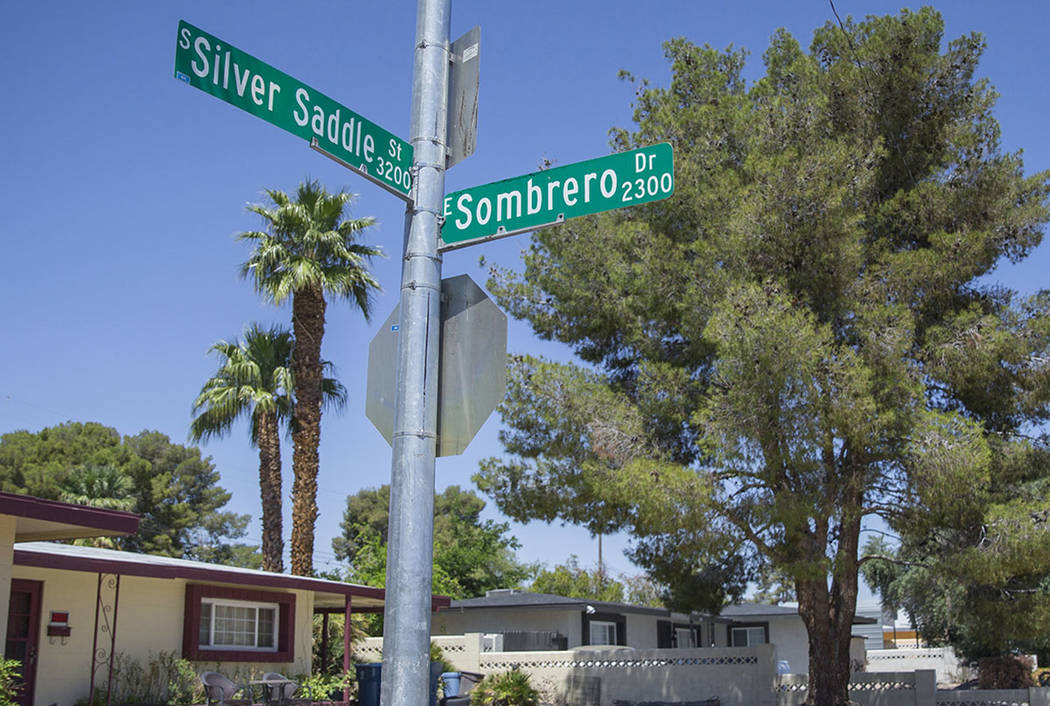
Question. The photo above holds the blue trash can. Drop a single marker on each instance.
(451, 680)
(369, 679)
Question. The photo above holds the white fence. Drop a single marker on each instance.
(915, 688)
(736, 676)
(604, 676)
(999, 697)
(941, 660)
(869, 689)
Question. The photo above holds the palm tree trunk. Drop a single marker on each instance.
(308, 309)
(270, 489)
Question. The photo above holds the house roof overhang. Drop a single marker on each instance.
(751, 611)
(329, 596)
(527, 601)
(37, 519)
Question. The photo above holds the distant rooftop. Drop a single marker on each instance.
(763, 610)
(526, 600)
(515, 598)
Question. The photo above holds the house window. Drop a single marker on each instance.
(684, 637)
(602, 632)
(604, 629)
(749, 635)
(235, 625)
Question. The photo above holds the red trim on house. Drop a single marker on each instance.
(110, 521)
(191, 625)
(436, 603)
(204, 572)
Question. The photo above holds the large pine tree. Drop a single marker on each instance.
(806, 334)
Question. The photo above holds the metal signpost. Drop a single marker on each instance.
(406, 614)
(216, 67)
(474, 329)
(548, 197)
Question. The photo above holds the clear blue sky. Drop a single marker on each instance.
(125, 188)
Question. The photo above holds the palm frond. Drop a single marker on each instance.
(254, 377)
(309, 243)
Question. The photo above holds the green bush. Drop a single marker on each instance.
(164, 679)
(512, 688)
(9, 672)
(321, 687)
(436, 655)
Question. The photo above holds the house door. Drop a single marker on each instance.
(23, 632)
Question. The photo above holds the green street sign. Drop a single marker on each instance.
(548, 197)
(218, 68)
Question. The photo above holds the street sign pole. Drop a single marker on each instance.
(406, 630)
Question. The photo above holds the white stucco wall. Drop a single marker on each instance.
(641, 631)
(787, 634)
(947, 666)
(149, 620)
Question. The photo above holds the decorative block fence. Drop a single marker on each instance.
(736, 676)
(942, 660)
(916, 688)
(600, 676)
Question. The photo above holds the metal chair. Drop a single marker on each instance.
(219, 690)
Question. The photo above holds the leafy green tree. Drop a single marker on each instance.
(172, 487)
(471, 555)
(367, 515)
(642, 590)
(806, 334)
(981, 584)
(307, 251)
(39, 463)
(177, 492)
(773, 586)
(573, 581)
(254, 379)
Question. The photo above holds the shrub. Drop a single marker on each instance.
(512, 688)
(9, 669)
(165, 679)
(323, 687)
(436, 655)
(1010, 671)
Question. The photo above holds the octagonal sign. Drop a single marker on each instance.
(472, 372)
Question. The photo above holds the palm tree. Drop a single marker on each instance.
(254, 378)
(309, 250)
(103, 486)
(98, 486)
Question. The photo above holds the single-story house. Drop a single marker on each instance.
(74, 609)
(781, 626)
(522, 621)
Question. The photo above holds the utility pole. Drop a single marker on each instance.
(406, 631)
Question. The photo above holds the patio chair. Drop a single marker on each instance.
(285, 691)
(219, 690)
